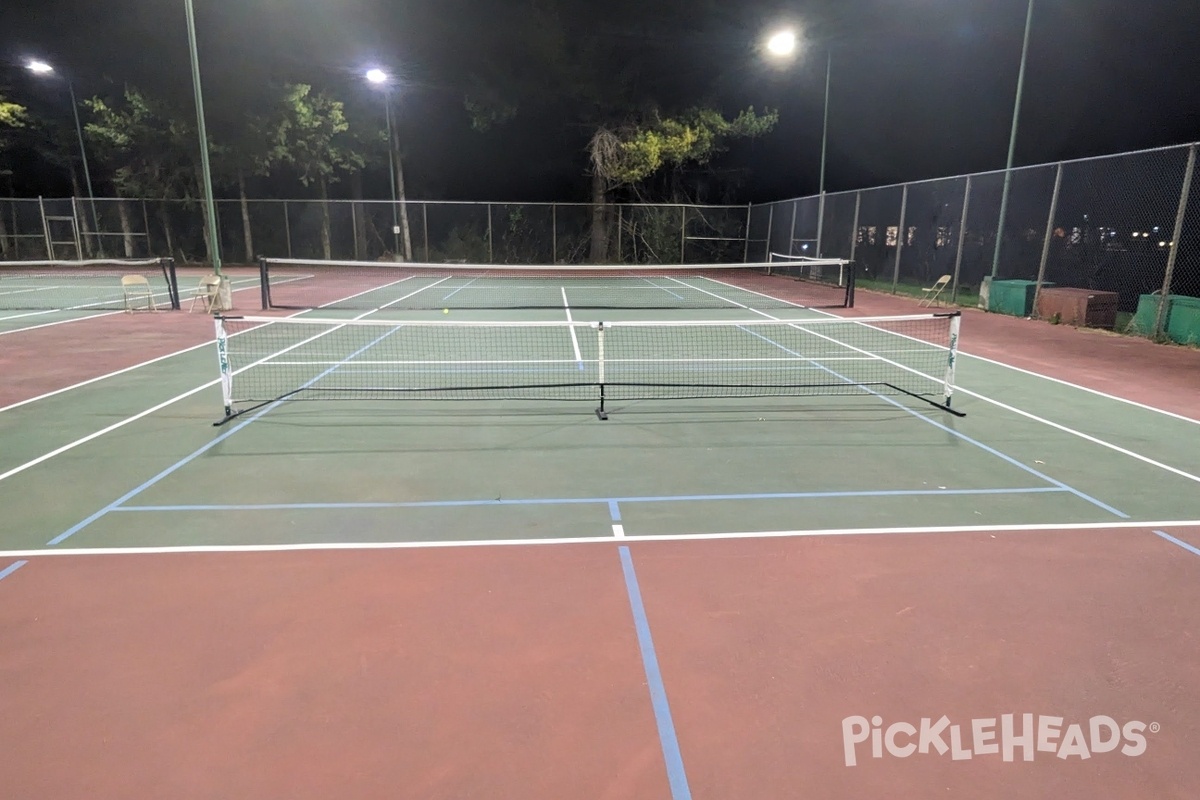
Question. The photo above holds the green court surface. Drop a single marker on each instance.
(429, 468)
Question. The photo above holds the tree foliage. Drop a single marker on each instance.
(633, 152)
(314, 135)
(148, 146)
(12, 115)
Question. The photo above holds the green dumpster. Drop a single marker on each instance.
(1014, 297)
(1182, 317)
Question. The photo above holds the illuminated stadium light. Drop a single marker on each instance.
(782, 43)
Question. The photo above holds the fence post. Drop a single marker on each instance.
(900, 238)
(1160, 317)
(554, 233)
(820, 223)
(46, 229)
(146, 222)
(354, 227)
(490, 257)
(854, 227)
(770, 225)
(683, 234)
(1041, 276)
(791, 248)
(620, 231)
(287, 229)
(425, 227)
(962, 238)
(746, 249)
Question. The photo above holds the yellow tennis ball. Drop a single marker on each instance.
(445, 311)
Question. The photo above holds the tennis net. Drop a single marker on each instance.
(365, 285)
(94, 285)
(267, 359)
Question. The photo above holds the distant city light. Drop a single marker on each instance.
(1162, 244)
(377, 76)
(782, 43)
(39, 67)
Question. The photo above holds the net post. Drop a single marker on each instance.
(223, 361)
(952, 357)
(264, 283)
(600, 412)
(172, 278)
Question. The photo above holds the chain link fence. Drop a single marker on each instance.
(428, 231)
(1124, 228)
(1121, 231)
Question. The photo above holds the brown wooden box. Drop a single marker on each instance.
(1081, 307)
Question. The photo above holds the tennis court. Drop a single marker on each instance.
(413, 561)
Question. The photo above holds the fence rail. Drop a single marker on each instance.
(1127, 224)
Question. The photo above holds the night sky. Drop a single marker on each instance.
(921, 88)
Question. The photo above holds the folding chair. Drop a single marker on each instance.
(134, 288)
(933, 292)
(207, 292)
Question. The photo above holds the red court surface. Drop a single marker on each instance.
(1164, 376)
(469, 673)
(515, 672)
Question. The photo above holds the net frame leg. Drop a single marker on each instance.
(226, 371)
(601, 413)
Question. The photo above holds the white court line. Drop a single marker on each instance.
(96, 315)
(81, 319)
(1086, 437)
(618, 531)
(574, 338)
(141, 364)
(116, 425)
(607, 540)
(1096, 392)
(961, 352)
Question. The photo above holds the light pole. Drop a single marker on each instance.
(381, 79)
(42, 68)
(1012, 141)
(783, 45)
(210, 207)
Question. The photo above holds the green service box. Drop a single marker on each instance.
(1183, 317)
(1014, 298)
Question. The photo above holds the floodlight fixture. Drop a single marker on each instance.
(782, 43)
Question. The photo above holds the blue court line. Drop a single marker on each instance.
(1190, 548)
(459, 289)
(951, 431)
(11, 568)
(673, 758)
(614, 510)
(665, 289)
(74, 529)
(611, 501)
